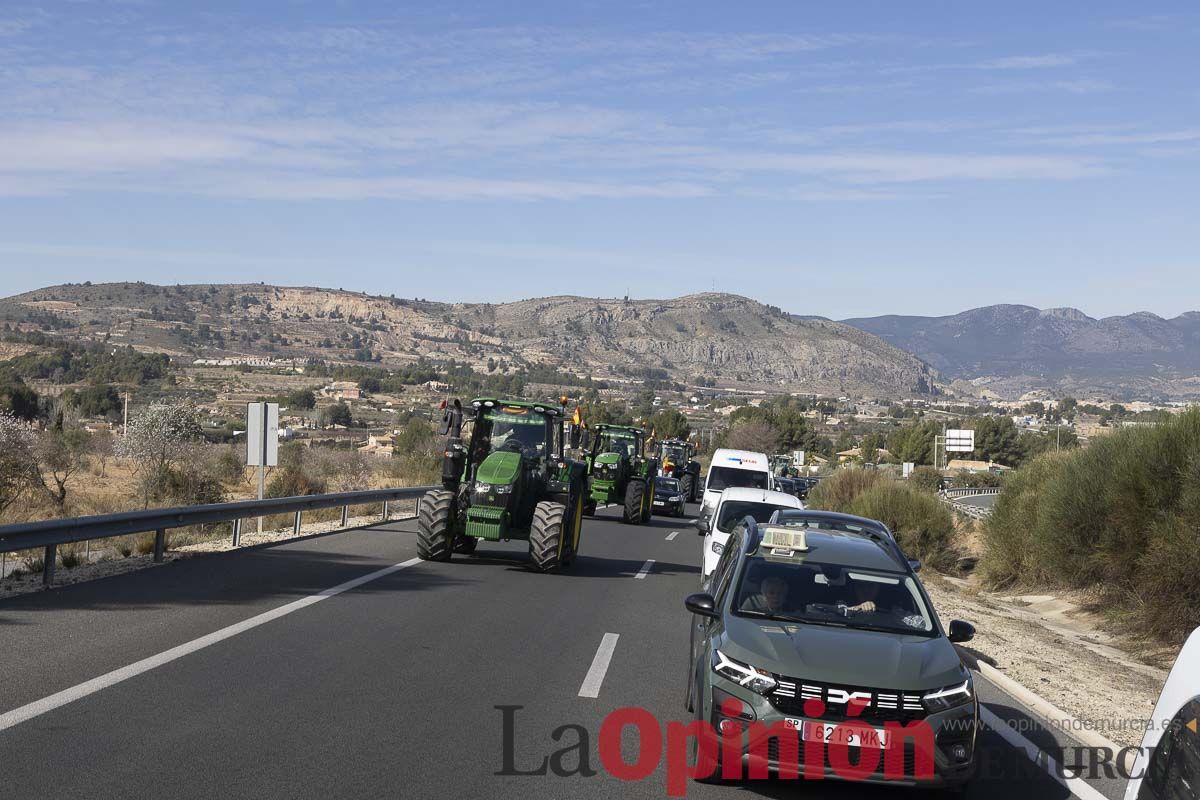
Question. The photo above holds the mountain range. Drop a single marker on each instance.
(1013, 348)
(712, 337)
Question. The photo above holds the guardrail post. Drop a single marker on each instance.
(160, 544)
(385, 510)
(345, 515)
(297, 523)
(237, 532)
(48, 564)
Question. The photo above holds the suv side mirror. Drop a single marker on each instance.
(961, 631)
(702, 525)
(701, 603)
(914, 564)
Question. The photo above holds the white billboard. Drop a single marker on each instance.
(960, 441)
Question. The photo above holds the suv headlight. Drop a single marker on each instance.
(753, 678)
(949, 697)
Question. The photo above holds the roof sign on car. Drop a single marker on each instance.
(781, 541)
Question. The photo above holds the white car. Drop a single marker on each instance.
(734, 468)
(1167, 766)
(735, 504)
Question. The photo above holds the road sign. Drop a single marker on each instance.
(960, 441)
(908, 468)
(262, 434)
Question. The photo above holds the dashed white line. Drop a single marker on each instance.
(595, 674)
(78, 692)
(645, 570)
(672, 535)
(1076, 786)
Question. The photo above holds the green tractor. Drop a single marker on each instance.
(619, 472)
(677, 458)
(510, 479)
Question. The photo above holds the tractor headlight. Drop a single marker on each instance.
(753, 678)
(949, 697)
(503, 488)
(480, 486)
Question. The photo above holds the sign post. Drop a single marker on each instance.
(262, 443)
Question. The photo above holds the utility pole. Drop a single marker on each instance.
(125, 425)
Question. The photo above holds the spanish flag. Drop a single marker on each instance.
(577, 417)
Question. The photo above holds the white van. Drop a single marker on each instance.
(1167, 766)
(734, 468)
(735, 504)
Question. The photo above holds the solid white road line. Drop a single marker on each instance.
(595, 674)
(59, 699)
(645, 570)
(1077, 786)
(672, 535)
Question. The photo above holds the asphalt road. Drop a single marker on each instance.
(979, 500)
(385, 689)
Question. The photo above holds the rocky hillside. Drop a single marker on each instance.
(1020, 348)
(730, 339)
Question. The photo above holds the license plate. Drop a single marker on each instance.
(843, 735)
(659, 503)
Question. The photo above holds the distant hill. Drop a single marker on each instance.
(1014, 348)
(724, 337)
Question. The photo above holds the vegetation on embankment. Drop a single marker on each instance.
(923, 525)
(1120, 517)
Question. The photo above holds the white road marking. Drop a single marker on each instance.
(1077, 786)
(595, 674)
(78, 692)
(672, 535)
(645, 570)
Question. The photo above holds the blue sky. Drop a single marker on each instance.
(840, 159)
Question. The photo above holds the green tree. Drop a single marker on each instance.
(670, 424)
(337, 414)
(997, 439)
(301, 399)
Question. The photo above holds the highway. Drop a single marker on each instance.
(979, 500)
(242, 675)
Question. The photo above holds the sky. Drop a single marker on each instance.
(839, 159)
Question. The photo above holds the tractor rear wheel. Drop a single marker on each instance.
(687, 486)
(635, 503)
(435, 525)
(546, 534)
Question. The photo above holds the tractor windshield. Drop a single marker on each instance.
(623, 443)
(675, 454)
(512, 428)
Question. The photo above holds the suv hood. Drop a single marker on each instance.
(843, 656)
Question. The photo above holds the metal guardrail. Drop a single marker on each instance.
(52, 533)
(966, 491)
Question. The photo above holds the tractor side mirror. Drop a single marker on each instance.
(444, 428)
(575, 437)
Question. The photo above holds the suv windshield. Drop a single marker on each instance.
(667, 484)
(734, 511)
(515, 429)
(831, 594)
(721, 478)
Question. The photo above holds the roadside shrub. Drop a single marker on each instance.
(295, 475)
(838, 492)
(927, 479)
(190, 485)
(70, 557)
(923, 525)
(1120, 517)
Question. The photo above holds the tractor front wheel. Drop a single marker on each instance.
(546, 534)
(435, 525)
(635, 503)
(687, 486)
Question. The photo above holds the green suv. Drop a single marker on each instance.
(814, 638)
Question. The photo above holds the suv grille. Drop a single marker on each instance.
(883, 705)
